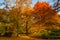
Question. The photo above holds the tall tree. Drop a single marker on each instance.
(19, 10)
(44, 13)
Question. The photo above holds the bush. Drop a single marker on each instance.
(49, 34)
(5, 29)
(53, 34)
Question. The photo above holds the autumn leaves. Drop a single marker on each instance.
(24, 17)
(42, 6)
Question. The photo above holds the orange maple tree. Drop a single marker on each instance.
(41, 6)
(44, 12)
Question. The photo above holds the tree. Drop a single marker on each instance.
(6, 25)
(27, 12)
(56, 5)
(18, 11)
(44, 13)
(19, 14)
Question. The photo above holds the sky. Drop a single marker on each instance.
(49, 1)
(1, 1)
(34, 1)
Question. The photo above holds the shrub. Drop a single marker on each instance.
(5, 29)
(49, 34)
(54, 33)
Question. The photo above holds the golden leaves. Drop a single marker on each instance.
(27, 10)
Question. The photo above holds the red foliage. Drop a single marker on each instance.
(42, 6)
(43, 9)
(44, 12)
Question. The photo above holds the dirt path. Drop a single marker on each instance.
(23, 38)
(18, 38)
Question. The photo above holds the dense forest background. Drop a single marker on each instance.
(22, 19)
